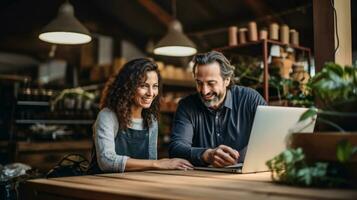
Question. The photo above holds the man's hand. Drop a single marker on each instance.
(221, 156)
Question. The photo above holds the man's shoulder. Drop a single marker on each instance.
(242, 90)
(243, 94)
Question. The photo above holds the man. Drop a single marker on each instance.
(212, 127)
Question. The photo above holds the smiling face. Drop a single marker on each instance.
(147, 90)
(210, 84)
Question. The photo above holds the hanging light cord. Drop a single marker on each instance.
(336, 28)
(173, 2)
(52, 52)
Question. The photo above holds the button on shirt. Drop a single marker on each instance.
(197, 128)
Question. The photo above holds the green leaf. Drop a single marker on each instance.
(344, 151)
(334, 83)
(320, 169)
(304, 175)
(289, 167)
(311, 112)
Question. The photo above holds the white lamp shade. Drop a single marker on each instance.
(65, 38)
(65, 28)
(175, 43)
(175, 51)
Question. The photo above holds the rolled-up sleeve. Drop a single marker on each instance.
(105, 129)
(181, 138)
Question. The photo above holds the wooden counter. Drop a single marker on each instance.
(191, 184)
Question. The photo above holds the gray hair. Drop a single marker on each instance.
(227, 70)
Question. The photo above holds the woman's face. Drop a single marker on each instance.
(147, 90)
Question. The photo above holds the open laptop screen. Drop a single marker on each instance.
(271, 128)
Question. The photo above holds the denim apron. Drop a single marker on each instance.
(133, 143)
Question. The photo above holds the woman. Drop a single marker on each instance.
(125, 132)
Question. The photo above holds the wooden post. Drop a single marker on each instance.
(324, 41)
(266, 73)
(324, 32)
(343, 55)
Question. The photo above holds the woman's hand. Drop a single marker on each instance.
(174, 163)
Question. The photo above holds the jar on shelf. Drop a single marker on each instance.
(179, 73)
(294, 37)
(24, 94)
(160, 65)
(243, 35)
(170, 71)
(49, 95)
(252, 31)
(263, 34)
(35, 95)
(42, 95)
(284, 34)
(232, 35)
(274, 31)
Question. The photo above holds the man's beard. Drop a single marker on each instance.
(212, 102)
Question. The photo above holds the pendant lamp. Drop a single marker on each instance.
(175, 42)
(65, 28)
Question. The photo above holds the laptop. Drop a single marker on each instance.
(271, 127)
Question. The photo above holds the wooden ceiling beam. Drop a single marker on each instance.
(207, 9)
(261, 10)
(157, 11)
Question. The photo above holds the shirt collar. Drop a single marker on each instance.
(228, 101)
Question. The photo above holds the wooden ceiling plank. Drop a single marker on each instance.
(157, 11)
(261, 10)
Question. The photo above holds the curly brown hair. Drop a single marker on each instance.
(120, 89)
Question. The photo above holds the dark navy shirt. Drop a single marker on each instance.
(197, 128)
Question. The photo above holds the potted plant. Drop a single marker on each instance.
(70, 96)
(335, 88)
(291, 167)
(334, 142)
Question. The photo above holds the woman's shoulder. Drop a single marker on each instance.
(155, 123)
(106, 114)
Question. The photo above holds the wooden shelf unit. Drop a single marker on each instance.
(260, 47)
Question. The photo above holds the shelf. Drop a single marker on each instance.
(176, 82)
(33, 103)
(260, 49)
(54, 146)
(288, 45)
(34, 121)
